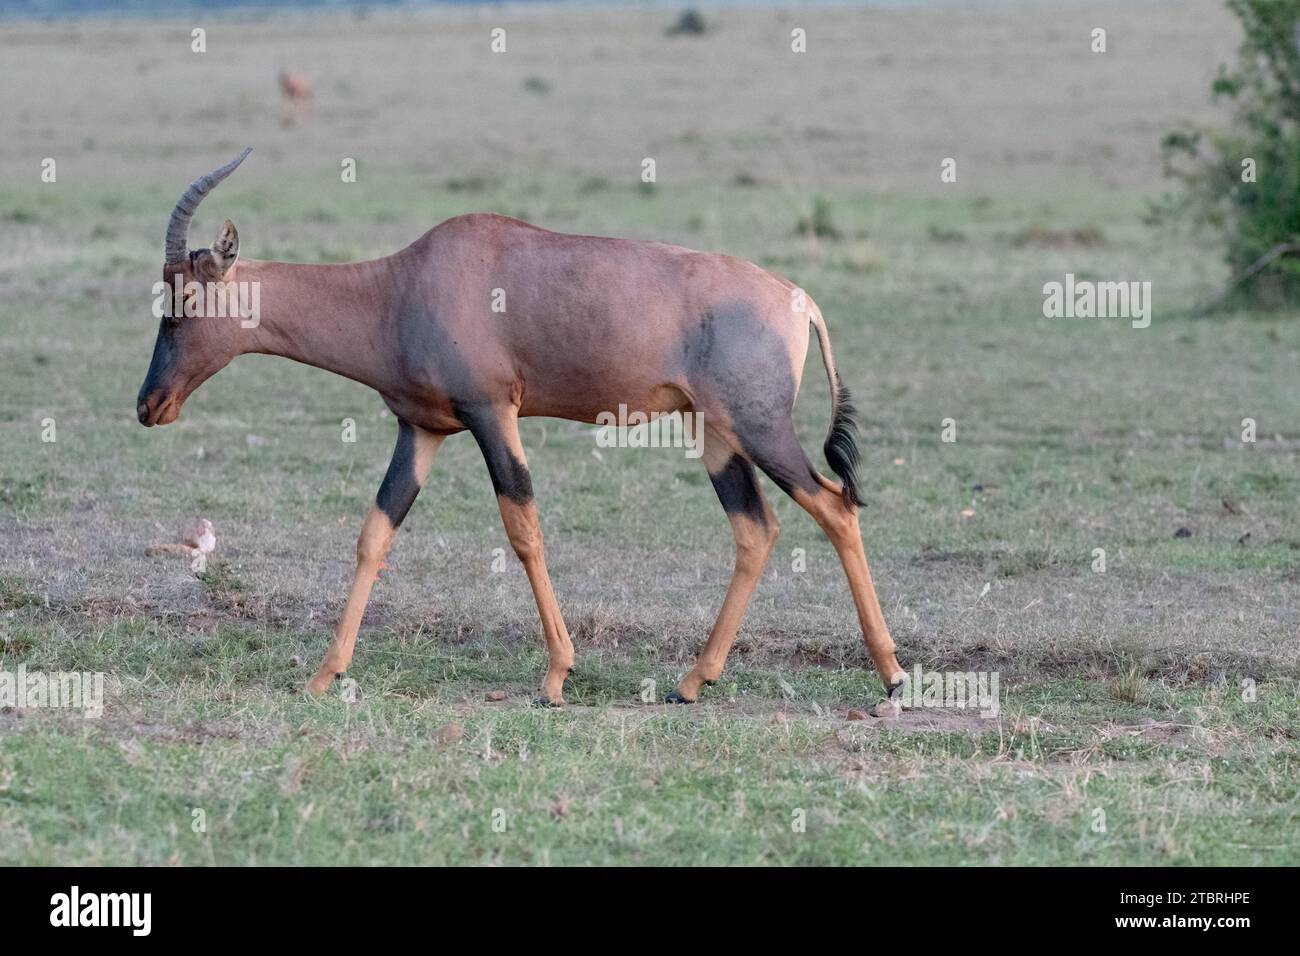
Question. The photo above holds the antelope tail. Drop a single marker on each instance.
(841, 448)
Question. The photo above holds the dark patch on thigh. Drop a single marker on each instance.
(737, 361)
(782, 459)
(510, 478)
(738, 490)
(399, 489)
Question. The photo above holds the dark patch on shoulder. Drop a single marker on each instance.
(737, 489)
(510, 477)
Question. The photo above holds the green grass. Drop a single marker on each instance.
(1190, 776)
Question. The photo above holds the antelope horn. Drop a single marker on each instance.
(176, 246)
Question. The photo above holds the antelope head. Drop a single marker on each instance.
(190, 348)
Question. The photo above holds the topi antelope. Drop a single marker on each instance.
(590, 324)
(295, 86)
(297, 90)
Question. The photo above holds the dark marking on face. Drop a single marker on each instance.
(510, 478)
(399, 489)
(166, 350)
(738, 491)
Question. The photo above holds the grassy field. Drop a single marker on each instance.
(1128, 732)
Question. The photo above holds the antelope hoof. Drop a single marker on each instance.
(317, 686)
(675, 697)
(547, 702)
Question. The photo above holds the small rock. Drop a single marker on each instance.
(887, 709)
(449, 733)
(1183, 533)
(295, 661)
(779, 717)
(858, 715)
(495, 695)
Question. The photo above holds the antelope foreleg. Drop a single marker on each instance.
(496, 429)
(406, 474)
(524, 530)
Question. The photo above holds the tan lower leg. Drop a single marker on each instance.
(525, 533)
(841, 527)
(373, 544)
(754, 543)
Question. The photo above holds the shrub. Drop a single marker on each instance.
(690, 23)
(1260, 219)
(819, 223)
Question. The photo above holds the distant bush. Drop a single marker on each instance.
(819, 224)
(469, 184)
(1245, 181)
(691, 22)
(940, 234)
(1085, 236)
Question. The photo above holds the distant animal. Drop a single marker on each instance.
(297, 90)
(589, 324)
(200, 538)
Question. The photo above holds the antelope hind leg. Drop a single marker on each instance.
(755, 528)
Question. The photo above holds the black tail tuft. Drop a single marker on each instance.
(841, 448)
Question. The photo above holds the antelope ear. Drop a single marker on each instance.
(218, 260)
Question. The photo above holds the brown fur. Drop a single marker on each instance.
(589, 323)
